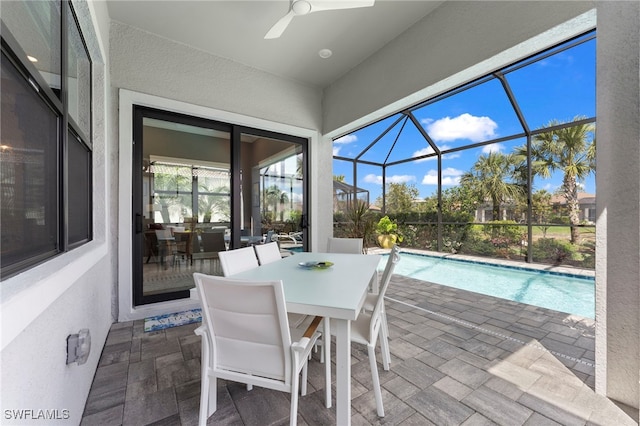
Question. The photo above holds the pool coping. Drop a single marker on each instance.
(512, 264)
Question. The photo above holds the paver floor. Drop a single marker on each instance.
(458, 358)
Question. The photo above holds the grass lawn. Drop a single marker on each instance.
(563, 232)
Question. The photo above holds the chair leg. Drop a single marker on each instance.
(303, 384)
(293, 419)
(384, 342)
(375, 379)
(208, 387)
(326, 354)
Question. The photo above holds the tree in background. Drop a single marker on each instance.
(400, 198)
(460, 202)
(214, 205)
(493, 177)
(275, 197)
(541, 209)
(570, 150)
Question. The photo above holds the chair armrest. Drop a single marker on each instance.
(312, 327)
(309, 333)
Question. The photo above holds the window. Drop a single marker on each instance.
(45, 146)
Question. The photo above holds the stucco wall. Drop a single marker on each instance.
(42, 306)
(618, 203)
(146, 63)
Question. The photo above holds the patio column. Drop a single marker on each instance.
(618, 199)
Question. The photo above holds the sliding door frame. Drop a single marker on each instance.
(235, 131)
(124, 308)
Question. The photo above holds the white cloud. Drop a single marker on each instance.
(401, 179)
(493, 148)
(450, 171)
(428, 150)
(450, 177)
(346, 139)
(451, 156)
(336, 150)
(423, 151)
(371, 178)
(464, 126)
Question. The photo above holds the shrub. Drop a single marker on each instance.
(550, 250)
(506, 232)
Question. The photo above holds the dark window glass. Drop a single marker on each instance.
(79, 191)
(78, 77)
(29, 173)
(36, 27)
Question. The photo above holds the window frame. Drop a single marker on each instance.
(67, 128)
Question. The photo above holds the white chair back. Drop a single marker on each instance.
(238, 260)
(267, 253)
(378, 310)
(344, 245)
(248, 326)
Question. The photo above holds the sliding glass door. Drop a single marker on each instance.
(272, 202)
(202, 186)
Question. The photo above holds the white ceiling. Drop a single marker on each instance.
(235, 30)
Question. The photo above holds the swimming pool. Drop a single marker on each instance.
(561, 292)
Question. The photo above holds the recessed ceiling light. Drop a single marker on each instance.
(325, 53)
(31, 58)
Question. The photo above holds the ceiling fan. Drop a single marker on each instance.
(305, 7)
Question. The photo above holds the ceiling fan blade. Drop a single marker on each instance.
(320, 5)
(279, 27)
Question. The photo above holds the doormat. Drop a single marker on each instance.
(176, 319)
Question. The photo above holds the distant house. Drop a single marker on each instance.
(511, 211)
(586, 201)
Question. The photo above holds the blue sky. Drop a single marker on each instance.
(558, 87)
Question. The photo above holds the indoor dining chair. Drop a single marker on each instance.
(210, 246)
(238, 260)
(166, 245)
(344, 245)
(368, 327)
(246, 338)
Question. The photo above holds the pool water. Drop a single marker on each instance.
(561, 292)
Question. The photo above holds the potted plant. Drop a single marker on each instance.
(387, 231)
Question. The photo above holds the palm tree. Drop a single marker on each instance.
(271, 198)
(283, 199)
(490, 178)
(567, 149)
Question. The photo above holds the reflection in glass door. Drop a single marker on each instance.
(201, 187)
(183, 196)
(272, 202)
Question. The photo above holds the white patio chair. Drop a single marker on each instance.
(238, 260)
(268, 252)
(246, 338)
(371, 299)
(344, 245)
(368, 327)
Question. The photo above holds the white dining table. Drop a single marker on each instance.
(337, 292)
